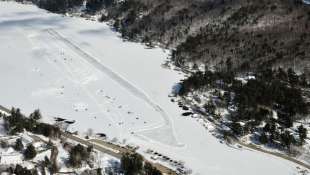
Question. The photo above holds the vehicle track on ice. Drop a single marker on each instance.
(116, 77)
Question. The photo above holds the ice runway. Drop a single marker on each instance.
(81, 70)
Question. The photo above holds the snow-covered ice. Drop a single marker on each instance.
(81, 70)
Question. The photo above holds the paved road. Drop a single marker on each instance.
(101, 148)
(256, 148)
(283, 156)
(108, 148)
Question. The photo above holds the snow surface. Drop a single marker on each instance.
(81, 70)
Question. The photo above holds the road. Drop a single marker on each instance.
(283, 156)
(115, 151)
(102, 146)
(257, 148)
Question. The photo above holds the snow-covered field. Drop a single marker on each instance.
(81, 70)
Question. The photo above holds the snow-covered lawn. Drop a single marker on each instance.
(81, 70)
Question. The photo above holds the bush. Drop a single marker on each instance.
(30, 152)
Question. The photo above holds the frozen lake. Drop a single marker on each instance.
(81, 70)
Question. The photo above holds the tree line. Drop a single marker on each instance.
(16, 122)
(275, 98)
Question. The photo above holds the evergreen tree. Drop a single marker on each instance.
(131, 164)
(302, 134)
(237, 128)
(19, 145)
(19, 170)
(36, 115)
(292, 77)
(53, 5)
(73, 3)
(263, 138)
(267, 127)
(150, 170)
(93, 5)
(78, 154)
(287, 139)
(99, 171)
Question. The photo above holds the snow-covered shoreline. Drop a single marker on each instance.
(43, 72)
